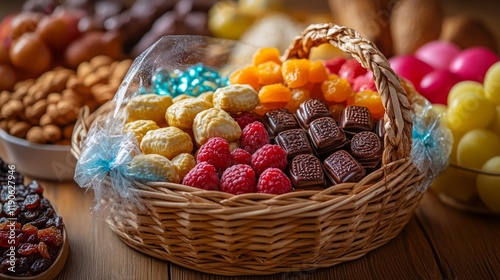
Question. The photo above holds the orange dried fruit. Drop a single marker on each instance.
(296, 72)
(263, 108)
(369, 99)
(266, 54)
(248, 75)
(336, 89)
(336, 109)
(299, 95)
(317, 72)
(274, 93)
(269, 72)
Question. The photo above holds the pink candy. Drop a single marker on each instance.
(473, 63)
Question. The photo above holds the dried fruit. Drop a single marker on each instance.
(275, 93)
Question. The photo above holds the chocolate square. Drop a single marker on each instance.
(367, 148)
(326, 136)
(310, 110)
(341, 167)
(355, 119)
(306, 171)
(294, 142)
(279, 120)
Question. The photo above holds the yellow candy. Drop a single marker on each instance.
(148, 107)
(140, 127)
(215, 122)
(154, 167)
(184, 163)
(181, 114)
(168, 142)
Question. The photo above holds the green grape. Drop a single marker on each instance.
(492, 84)
(465, 86)
(456, 184)
(476, 147)
(488, 187)
(495, 124)
(469, 111)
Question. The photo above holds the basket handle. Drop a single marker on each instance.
(398, 122)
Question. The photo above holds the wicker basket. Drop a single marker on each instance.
(257, 234)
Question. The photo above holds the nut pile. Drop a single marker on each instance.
(44, 110)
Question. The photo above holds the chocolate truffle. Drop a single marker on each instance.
(294, 142)
(310, 110)
(326, 136)
(306, 171)
(341, 167)
(367, 148)
(279, 120)
(355, 119)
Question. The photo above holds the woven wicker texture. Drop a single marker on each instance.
(257, 234)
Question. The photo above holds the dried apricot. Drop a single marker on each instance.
(266, 54)
(369, 99)
(296, 72)
(336, 89)
(299, 95)
(269, 73)
(317, 72)
(274, 93)
(263, 108)
(248, 75)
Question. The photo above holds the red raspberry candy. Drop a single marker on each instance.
(245, 118)
(202, 176)
(238, 179)
(253, 137)
(351, 69)
(333, 65)
(274, 181)
(362, 83)
(216, 152)
(269, 156)
(241, 156)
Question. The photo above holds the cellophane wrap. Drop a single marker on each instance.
(107, 151)
(432, 141)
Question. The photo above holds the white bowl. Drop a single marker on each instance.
(38, 161)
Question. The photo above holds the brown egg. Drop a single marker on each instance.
(31, 54)
(7, 77)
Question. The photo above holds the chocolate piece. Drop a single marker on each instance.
(310, 110)
(326, 136)
(341, 167)
(279, 120)
(294, 142)
(355, 119)
(306, 171)
(367, 148)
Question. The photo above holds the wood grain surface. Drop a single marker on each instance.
(439, 242)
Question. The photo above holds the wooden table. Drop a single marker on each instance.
(438, 243)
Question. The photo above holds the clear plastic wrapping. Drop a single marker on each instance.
(432, 141)
(193, 64)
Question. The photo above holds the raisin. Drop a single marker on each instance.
(22, 237)
(55, 222)
(4, 194)
(31, 214)
(44, 252)
(31, 201)
(4, 239)
(40, 222)
(30, 229)
(32, 239)
(51, 236)
(27, 249)
(23, 265)
(34, 187)
(11, 209)
(40, 265)
(44, 203)
(6, 264)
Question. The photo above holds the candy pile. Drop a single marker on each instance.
(473, 115)
(339, 82)
(38, 236)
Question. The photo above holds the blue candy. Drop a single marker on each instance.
(196, 80)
